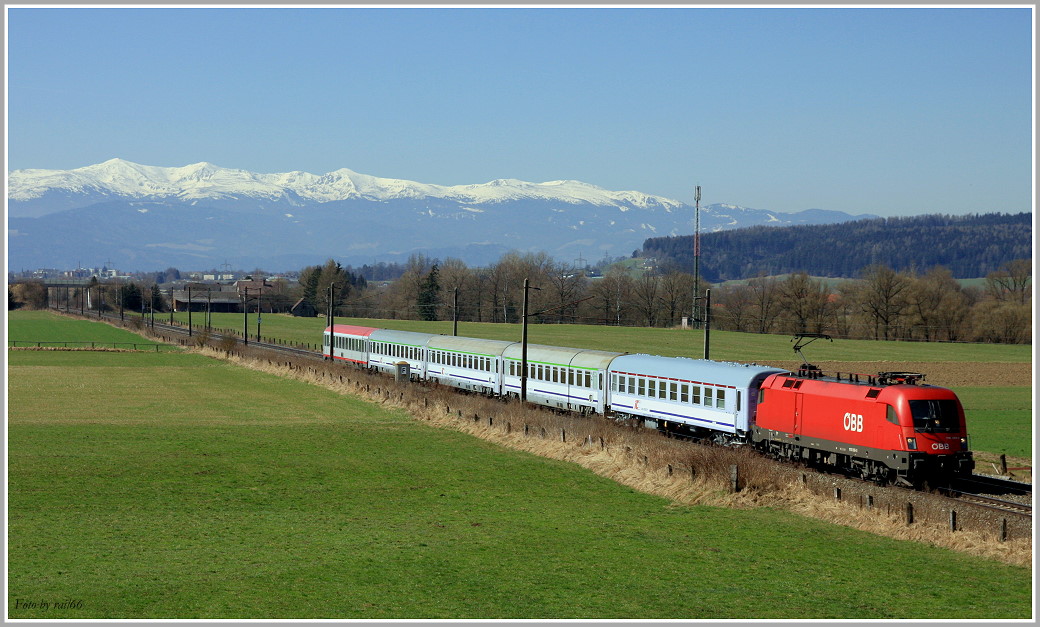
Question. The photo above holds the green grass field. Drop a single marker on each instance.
(42, 326)
(725, 345)
(1000, 419)
(174, 486)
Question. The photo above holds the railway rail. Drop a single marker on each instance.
(993, 492)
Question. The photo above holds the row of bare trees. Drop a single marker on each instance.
(880, 304)
(887, 305)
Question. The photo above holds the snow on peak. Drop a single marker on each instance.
(206, 180)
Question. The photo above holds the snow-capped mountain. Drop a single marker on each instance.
(117, 178)
(199, 215)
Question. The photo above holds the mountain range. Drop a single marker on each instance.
(140, 217)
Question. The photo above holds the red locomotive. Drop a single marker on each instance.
(888, 428)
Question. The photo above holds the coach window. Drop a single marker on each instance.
(674, 392)
(642, 386)
(720, 399)
(708, 392)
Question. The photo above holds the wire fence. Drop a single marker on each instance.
(74, 344)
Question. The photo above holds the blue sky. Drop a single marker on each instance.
(881, 110)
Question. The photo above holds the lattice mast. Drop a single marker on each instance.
(697, 258)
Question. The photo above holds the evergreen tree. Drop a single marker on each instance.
(429, 295)
(130, 297)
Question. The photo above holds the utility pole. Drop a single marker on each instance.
(332, 319)
(707, 321)
(245, 315)
(523, 347)
(189, 310)
(455, 313)
(259, 306)
(697, 257)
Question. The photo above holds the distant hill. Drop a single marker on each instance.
(969, 246)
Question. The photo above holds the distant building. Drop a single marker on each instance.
(207, 296)
(303, 309)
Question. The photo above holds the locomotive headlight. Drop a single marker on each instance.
(911, 444)
(964, 444)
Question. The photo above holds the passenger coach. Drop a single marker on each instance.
(467, 363)
(564, 378)
(676, 393)
(347, 343)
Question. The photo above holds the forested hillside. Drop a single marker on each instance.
(969, 246)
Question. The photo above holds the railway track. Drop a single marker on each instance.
(993, 493)
(182, 331)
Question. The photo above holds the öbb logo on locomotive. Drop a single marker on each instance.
(894, 428)
(853, 422)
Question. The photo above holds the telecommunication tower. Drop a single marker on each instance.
(697, 258)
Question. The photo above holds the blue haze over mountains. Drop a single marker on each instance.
(199, 216)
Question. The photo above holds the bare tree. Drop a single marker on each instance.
(1012, 282)
(566, 285)
(937, 303)
(677, 295)
(454, 275)
(884, 298)
(737, 303)
(765, 297)
(646, 298)
(804, 299)
(611, 294)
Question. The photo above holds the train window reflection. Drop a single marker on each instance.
(931, 416)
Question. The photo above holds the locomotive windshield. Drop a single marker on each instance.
(935, 416)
